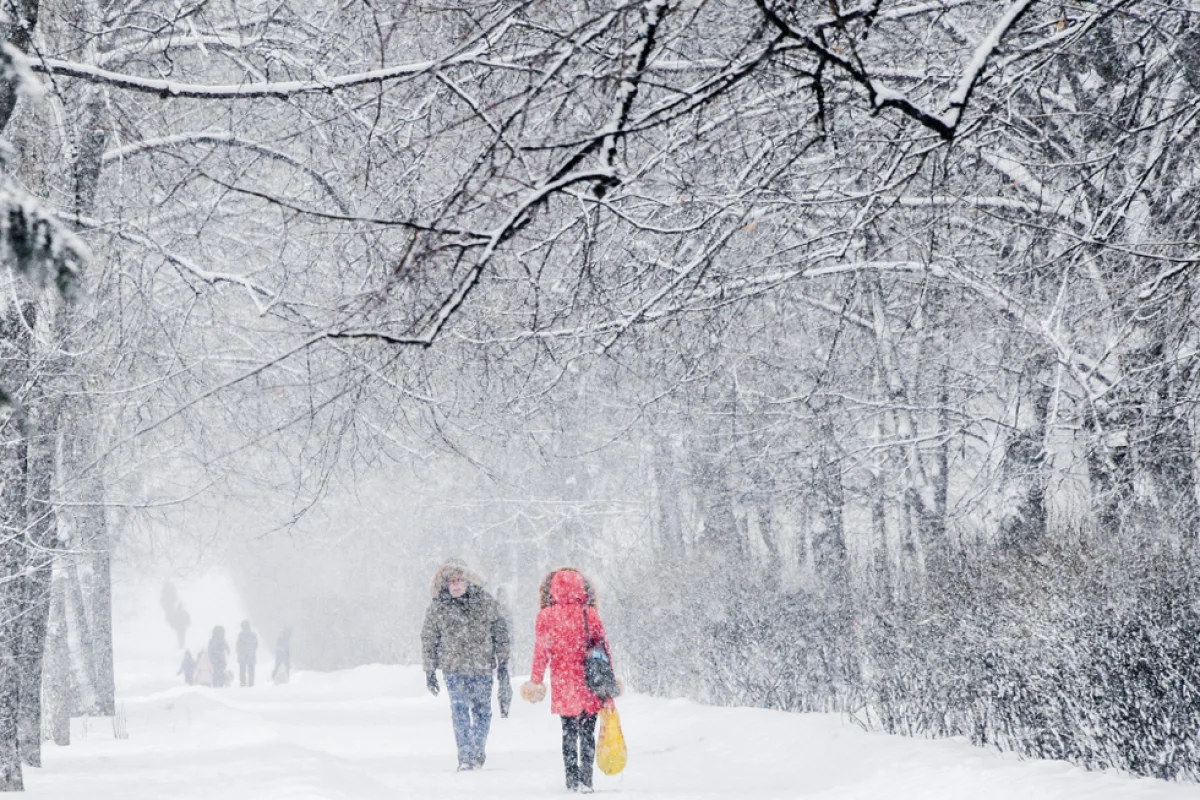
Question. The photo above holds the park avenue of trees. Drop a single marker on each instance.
(851, 343)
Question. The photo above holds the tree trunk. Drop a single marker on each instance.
(56, 674)
(14, 551)
(883, 573)
(829, 546)
(1027, 460)
(79, 644)
(93, 529)
(12, 601)
(32, 644)
(23, 17)
(1165, 446)
(102, 650)
(665, 494)
(919, 494)
(42, 530)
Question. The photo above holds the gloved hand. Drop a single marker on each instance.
(431, 682)
(533, 692)
(504, 691)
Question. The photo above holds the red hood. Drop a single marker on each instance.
(567, 589)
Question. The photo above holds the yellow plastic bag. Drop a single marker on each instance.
(610, 749)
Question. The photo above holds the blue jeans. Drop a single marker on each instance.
(471, 710)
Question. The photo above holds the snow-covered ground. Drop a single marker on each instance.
(374, 732)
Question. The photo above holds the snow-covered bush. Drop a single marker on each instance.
(1089, 657)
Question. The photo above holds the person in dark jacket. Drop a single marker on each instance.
(188, 668)
(247, 654)
(218, 656)
(282, 671)
(466, 637)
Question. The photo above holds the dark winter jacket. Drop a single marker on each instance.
(463, 635)
(247, 647)
(283, 651)
(218, 650)
(560, 643)
(188, 667)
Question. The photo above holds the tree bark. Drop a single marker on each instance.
(56, 673)
(106, 700)
(1028, 459)
(41, 534)
(91, 522)
(32, 644)
(14, 468)
(23, 17)
(829, 546)
(12, 603)
(79, 644)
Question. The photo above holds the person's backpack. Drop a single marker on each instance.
(597, 665)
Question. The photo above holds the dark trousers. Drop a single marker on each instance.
(246, 672)
(471, 711)
(579, 749)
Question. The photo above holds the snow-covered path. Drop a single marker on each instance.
(374, 733)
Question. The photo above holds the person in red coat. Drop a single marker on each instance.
(567, 626)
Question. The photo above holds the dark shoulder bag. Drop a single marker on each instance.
(597, 665)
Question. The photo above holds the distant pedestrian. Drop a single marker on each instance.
(282, 671)
(182, 620)
(177, 616)
(188, 668)
(466, 637)
(218, 654)
(247, 654)
(204, 669)
(568, 626)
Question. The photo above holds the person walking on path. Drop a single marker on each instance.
(466, 637)
(247, 654)
(203, 675)
(188, 668)
(282, 671)
(218, 655)
(568, 625)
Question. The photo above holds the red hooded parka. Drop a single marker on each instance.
(560, 642)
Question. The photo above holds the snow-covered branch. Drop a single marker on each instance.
(230, 140)
(278, 90)
(882, 96)
(984, 52)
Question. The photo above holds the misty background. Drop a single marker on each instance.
(851, 351)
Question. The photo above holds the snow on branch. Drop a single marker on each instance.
(1087, 372)
(882, 96)
(631, 79)
(230, 140)
(983, 52)
(437, 318)
(38, 246)
(233, 37)
(279, 90)
(257, 292)
(1045, 196)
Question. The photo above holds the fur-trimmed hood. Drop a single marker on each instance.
(548, 596)
(443, 573)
